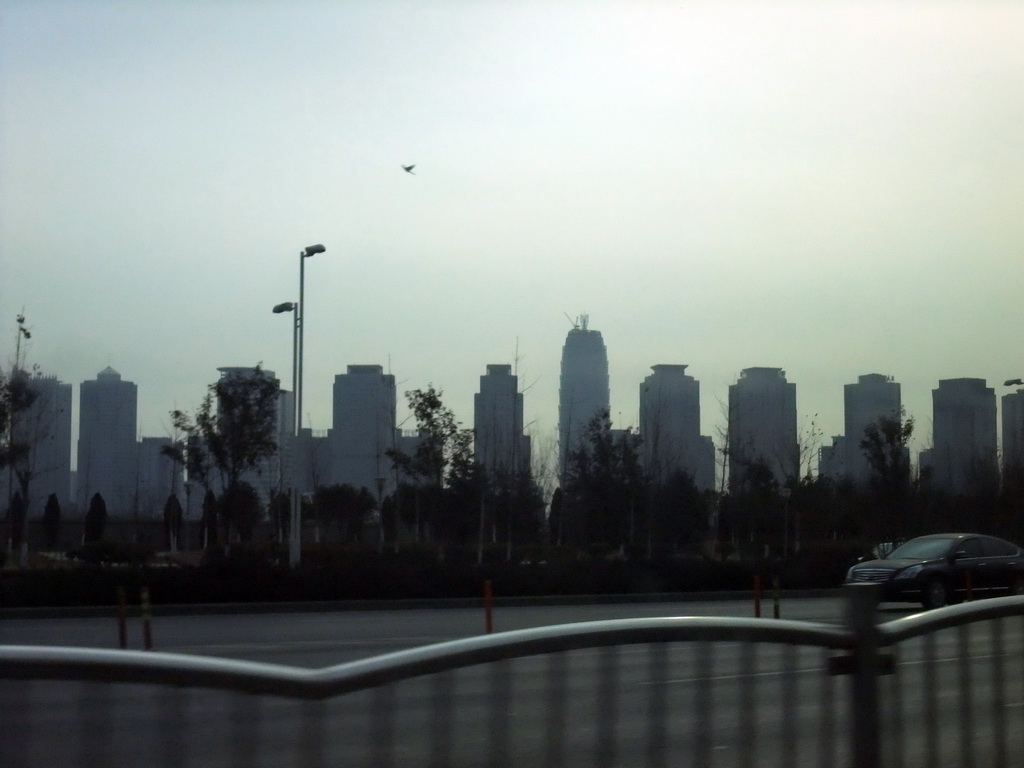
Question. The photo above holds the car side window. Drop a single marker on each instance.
(997, 548)
(971, 548)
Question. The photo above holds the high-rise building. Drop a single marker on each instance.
(964, 436)
(873, 397)
(365, 403)
(670, 427)
(499, 443)
(1013, 431)
(159, 477)
(45, 427)
(762, 425)
(832, 458)
(107, 424)
(583, 388)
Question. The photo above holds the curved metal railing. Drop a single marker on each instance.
(782, 684)
(89, 664)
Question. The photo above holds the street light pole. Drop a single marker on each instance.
(294, 547)
(301, 321)
(295, 538)
(291, 306)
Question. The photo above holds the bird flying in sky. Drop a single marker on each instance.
(408, 168)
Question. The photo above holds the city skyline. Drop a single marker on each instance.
(923, 440)
(828, 189)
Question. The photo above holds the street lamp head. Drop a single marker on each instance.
(287, 306)
(312, 250)
(1012, 382)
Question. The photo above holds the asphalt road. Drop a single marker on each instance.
(324, 638)
(722, 704)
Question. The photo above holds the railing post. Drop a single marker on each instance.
(861, 620)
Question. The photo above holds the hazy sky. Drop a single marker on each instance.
(833, 188)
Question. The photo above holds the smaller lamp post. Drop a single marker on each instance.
(294, 526)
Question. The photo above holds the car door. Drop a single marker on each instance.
(970, 567)
(999, 566)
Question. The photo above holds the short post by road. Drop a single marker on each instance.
(147, 629)
(488, 605)
(122, 618)
(757, 595)
(775, 596)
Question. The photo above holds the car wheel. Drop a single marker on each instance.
(935, 594)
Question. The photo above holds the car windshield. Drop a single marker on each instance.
(922, 549)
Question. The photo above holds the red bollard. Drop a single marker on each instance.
(147, 630)
(757, 595)
(122, 618)
(488, 599)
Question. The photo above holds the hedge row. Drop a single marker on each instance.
(247, 575)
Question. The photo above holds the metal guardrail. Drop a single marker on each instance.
(657, 692)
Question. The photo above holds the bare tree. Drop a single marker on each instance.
(233, 431)
(885, 448)
(443, 458)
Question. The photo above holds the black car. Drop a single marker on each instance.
(939, 569)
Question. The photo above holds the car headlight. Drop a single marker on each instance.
(909, 573)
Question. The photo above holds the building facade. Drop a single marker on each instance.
(762, 425)
(832, 458)
(365, 407)
(670, 427)
(158, 478)
(583, 391)
(45, 427)
(873, 397)
(963, 454)
(499, 444)
(107, 460)
(1013, 432)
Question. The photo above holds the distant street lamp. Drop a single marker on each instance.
(188, 510)
(1013, 382)
(290, 306)
(380, 510)
(294, 541)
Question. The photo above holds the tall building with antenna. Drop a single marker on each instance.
(583, 387)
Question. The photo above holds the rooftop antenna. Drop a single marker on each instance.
(584, 319)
